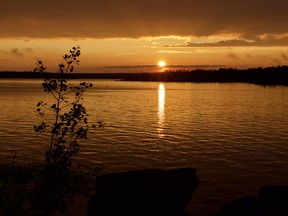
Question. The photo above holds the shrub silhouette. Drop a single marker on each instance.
(45, 189)
(69, 124)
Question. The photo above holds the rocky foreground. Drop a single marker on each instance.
(157, 192)
(152, 192)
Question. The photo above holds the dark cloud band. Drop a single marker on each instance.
(137, 18)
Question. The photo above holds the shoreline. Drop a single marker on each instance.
(269, 76)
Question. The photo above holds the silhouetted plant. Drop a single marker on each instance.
(37, 189)
(69, 123)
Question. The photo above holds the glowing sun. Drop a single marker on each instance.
(161, 63)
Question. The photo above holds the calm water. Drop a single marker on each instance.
(236, 135)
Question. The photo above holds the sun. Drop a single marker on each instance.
(161, 63)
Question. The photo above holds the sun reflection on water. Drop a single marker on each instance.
(161, 109)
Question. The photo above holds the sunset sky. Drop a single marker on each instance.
(124, 33)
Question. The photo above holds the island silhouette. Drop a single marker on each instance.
(277, 75)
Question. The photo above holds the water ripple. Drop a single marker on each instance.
(230, 131)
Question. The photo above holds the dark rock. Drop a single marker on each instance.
(241, 207)
(275, 196)
(143, 192)
(271, 201)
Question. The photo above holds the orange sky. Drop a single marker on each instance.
(132, 32)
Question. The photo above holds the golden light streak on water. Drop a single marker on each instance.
(161, 109)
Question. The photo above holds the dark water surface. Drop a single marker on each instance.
(236, 135)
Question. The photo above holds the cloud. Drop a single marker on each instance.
(284, 56)
(276, 61)
(222, 43)
(6, 61)
(266, 40)
(137, 18)
(232, 55)
(124, 54)
(3, 51)
(174, 51)
(282, 59)
(29, 50)
(248, 56)
(16, 52)
(21, 53)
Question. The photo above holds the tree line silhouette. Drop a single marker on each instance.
(263, 76)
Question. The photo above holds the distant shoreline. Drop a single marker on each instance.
(260, 76)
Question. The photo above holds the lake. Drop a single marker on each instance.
(236, 135)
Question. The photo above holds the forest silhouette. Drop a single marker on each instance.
(262, 76)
